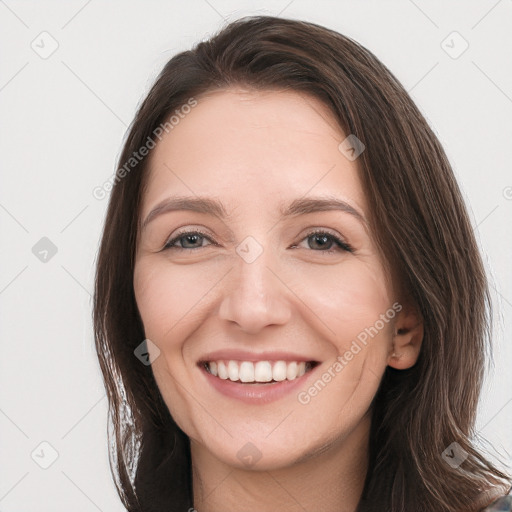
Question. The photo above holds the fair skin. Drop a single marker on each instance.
(257, 152)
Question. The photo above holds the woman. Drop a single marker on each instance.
(290, 307)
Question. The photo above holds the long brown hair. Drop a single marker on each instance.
(419, 220)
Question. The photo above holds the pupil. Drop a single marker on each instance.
(191, 237)
(324, 238)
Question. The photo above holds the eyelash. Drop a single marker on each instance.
(344, 246)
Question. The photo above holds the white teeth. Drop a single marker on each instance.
(291, 370)
(261, 371)
(246, 372)
(232, 370)
(223, 372)
(279, 370)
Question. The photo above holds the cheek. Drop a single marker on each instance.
(348, 298)
(169, 296)
(353, 302)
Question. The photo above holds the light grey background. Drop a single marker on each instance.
(63, 121)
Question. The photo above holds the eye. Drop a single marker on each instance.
(187, 238)
(323, 239)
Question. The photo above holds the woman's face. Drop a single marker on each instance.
(255, 286)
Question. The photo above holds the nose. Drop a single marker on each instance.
(256, 295)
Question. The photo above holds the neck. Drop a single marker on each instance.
(331, 479)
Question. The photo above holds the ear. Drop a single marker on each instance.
(407, 338)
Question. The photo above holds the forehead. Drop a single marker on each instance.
(264, 145)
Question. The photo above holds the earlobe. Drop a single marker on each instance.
(407, 340)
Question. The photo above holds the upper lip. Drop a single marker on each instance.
(243, 355)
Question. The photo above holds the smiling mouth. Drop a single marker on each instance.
(258, 373)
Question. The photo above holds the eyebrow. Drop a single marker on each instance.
(301, 206)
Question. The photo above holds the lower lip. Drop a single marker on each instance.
(256, 393)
